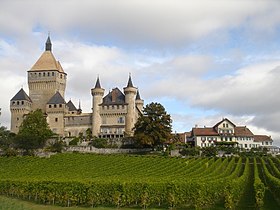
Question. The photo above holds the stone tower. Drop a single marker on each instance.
(97, 95)
(45, 78)
(130, 95)
(56, 109)
(20, 105)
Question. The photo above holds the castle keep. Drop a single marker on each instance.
(112, 116)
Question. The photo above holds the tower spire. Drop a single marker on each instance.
(138, 95)
(129, 84)
(97, 84)
(48, 43)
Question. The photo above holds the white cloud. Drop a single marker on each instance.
(206, 55)
(165, 22)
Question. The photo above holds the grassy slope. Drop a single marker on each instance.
(100, 166)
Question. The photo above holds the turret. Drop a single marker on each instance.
(97, 94)
(55, 110)
(20, 105)
(130, 95)
(139, 102)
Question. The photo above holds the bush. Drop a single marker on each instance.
(74, 141)
(99, 143)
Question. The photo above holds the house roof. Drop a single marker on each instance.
(242, 131)
(21, 95)
(262, 138)
(114, 97)
(57, 99)
(71, 106)
(224, 119)
(204, 132)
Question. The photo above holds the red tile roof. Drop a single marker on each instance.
(204, 132)
(243, 131)
(262, 138)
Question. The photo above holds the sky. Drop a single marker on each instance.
(202, 60)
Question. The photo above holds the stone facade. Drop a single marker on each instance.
(112, 116)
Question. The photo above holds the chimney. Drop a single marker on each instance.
(114, 95)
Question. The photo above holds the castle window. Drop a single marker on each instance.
(56, 119)
(17, 102)
(44, 74)
(54, 106)
(60, 105)
(17, 119)
(22, 102)
(118, 106)
(52, 73)
(113, 107)
(60, 76)
(48, 74)
(120, 120)
(50, 106)
(39, 74)
(14, 102)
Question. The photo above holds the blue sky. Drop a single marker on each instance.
(202, 60)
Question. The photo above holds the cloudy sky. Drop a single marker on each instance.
(202, 60)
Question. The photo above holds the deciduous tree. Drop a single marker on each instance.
(33, 132)
(153, 128)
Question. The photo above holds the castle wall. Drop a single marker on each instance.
(75, 124)
(18, 110)
(55, 117)
(43, 85)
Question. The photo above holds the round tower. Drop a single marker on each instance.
(130, 94)
(97, 95)
(20, 105)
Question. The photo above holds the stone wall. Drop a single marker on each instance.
(90, 149)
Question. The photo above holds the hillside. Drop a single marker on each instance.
(144, 181)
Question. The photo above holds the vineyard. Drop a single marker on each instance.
(139, 181)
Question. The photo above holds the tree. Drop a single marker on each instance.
(209, 151)
(33, 132)
(153, 128)
(5, 138)
(6, 142)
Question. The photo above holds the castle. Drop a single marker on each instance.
(112, 116)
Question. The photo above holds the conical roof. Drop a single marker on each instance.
(138, 95)
(129, 83)
(71, 106)
(57, 99)
(47, 61)
(97, 84)
(21, 96)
